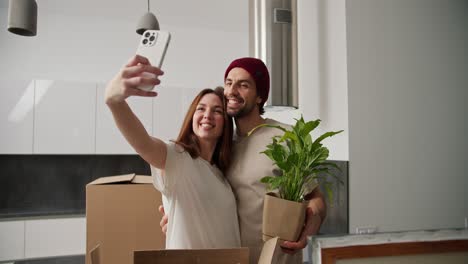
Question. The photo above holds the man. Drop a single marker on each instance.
(246, 89)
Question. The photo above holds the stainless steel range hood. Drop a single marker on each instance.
(273, 39)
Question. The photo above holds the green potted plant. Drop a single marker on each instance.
(302, 164)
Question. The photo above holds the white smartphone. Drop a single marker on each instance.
(153, 45)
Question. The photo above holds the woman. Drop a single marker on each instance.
(188, 172)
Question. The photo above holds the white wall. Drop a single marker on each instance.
(407, 85)
(93, 48)
(322, 76)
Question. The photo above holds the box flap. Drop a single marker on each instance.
(142, 179)
(270, 251)
(95, 255)
(114, 179)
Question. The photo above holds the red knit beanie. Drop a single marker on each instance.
(257, 70)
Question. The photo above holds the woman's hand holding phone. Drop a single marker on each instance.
(136, 73)
(153, 45)
(142, 72)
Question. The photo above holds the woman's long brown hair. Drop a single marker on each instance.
(189, 141)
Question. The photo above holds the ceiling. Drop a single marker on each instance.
(206, 13)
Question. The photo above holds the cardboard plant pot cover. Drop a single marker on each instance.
(282, 218)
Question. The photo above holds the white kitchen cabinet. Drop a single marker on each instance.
(16, 116)
(109, 140)
(54, 237)
(169, 112)
(11, 240)
(64, 117)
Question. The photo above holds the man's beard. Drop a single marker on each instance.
(241, 112)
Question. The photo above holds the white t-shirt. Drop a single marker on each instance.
(199, 202)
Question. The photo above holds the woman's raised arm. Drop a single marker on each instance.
(123, 85)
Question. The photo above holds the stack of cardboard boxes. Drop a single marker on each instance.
(122, 227)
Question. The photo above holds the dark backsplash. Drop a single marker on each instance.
(51, 185)
(336, 221)
(34, 185)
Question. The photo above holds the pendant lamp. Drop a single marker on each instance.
(22, 17)
(147, 21)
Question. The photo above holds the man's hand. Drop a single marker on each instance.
(163, 222)
(315, 213)
(312, 226)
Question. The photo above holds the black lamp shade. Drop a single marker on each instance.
(147, 21)
(22, 17)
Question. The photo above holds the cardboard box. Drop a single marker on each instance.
(205, 256)
(270, 251)
(271, 254)
(122, 216)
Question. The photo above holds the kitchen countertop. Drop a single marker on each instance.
(75, 259)
(317, 243)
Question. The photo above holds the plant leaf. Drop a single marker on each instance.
(308, 127)
(272, 182)
(289, 135)
(325, 135)
(266, 125)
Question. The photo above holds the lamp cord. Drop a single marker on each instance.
(148, 6)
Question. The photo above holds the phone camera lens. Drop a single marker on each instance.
(145, 41)
(152, 38)
(147, 34)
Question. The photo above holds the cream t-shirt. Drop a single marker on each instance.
(199, 202)
(247, 167)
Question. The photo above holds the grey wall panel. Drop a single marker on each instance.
(407, 86)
